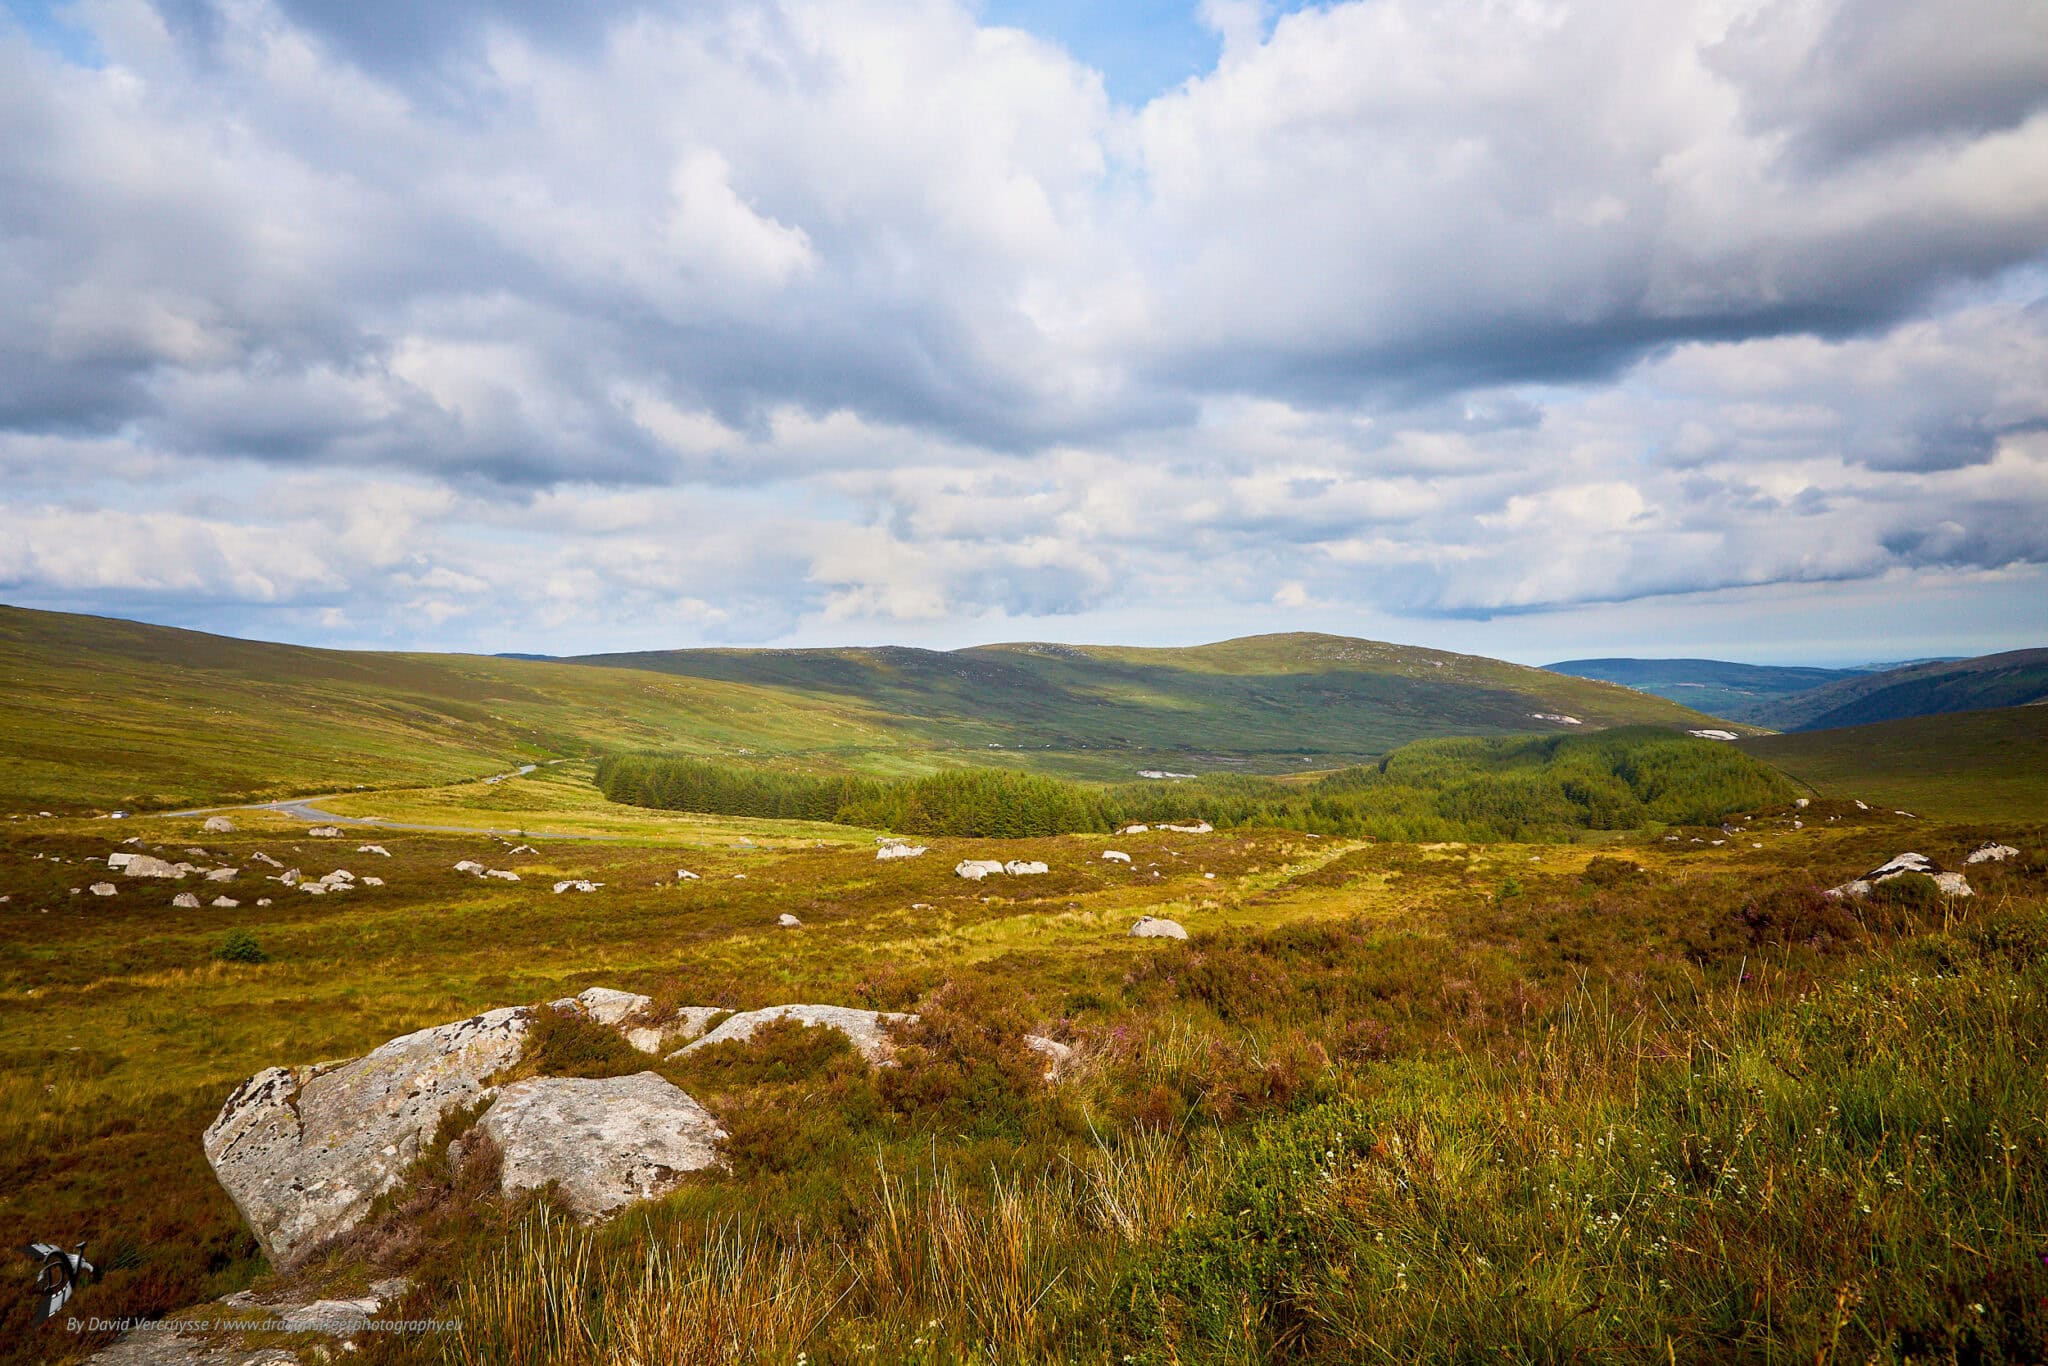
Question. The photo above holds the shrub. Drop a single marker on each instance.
(240, 946)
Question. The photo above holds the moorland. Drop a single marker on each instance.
(1492, 1038)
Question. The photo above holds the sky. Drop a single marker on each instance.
(1531, 328)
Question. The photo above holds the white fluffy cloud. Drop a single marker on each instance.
(783, 319)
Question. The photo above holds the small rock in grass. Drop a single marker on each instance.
(1154, 927)
(224, 903)
(975, 869)
(103, 889)
(787, 921)
(1024, 868)
(1116, 856)
(377, 849)
(325, 832)
(185, 901)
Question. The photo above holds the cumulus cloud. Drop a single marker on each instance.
(759, 318)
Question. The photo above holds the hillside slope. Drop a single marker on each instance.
(100, 712)
(1270, 703)
(1961, 766)
(1736, 692)
(2012, 679)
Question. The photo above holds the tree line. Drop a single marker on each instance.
(1473, 789)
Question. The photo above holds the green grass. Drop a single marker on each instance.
(1986, 766)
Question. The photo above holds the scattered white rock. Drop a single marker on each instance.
(224, 903)
(1154, 927)
(576, 884)
(1715, 734)
(685, 875)
(1115, 856)
(501, 874)
(103, 889)
(119, 860)
(265, 858)
(289, 877)
(262, 901)
(1160, 774)
(339, 875)
(1992, 852)
(1056, 1054)
(788, 921)
(470, 866)
(376, 849)
(889, 851)
(604, 1143)
(975, 869)
(1950, 884)
(1861, 805)
(1198, 828)
(1802, 802)
(866, 1028)
(1558, 717)
(1024, 868)
(218, 825)
(522, 849)
(325, 832)
(222, 874)
(372, 881)
(185, 901)
(143, 865)
(1134, 830)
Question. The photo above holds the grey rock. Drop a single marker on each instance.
(222, 875)
(788, 921)
(325, 832)
(1153, 927)
(607, 1142)
(303, 1151)
(185, 901)
(975, 869)
(899, 850)
(145, 865)
(1115, 856)
(103, 889)
(218, 825)
(1056, 1054)
(1950, 884)
(865, 1028)
(1024, 868)
(224, 903)
(662, 1036)
(1992, 852)
(604, 1005)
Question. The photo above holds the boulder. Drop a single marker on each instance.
(1951, 884)
(685, 875)
(218, 825)
(103, 889)
(325, 832)
(303, 1151)
(339, 875)
(889, 851)
(265, 858)
(376, 849)
(373, 881)
(864, 1027)
(1024, 868)
(470, 866)
(1116, 856)
(788, 921)
(222, 874)
(224, 903)
(185, 901)
(119, 860)
(1134, 829)
(1198, 828)
(1153, 927)
(604, 1005)
(1992, 852)
(521, 849)
(975, 869)
(665, 1035)
(143, 865)
(578, 884)
(605, 1142)
(501, 874)
(262, 901)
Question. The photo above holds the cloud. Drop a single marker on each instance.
(761, 317)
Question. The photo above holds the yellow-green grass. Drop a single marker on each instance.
(120, 1036)
(1986, 766)
(559, 800)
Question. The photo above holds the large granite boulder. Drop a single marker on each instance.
(1949, 884)
(1156, 927)
(303, 1151)
(866, 1028)
(606, 1142)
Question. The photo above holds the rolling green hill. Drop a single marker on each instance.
(1263, 703)
(106, 713)
(1962, 766)
(1736, 692)
(2012, 679)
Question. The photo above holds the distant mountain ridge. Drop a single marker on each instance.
(1791, 698)
(1736, 692)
